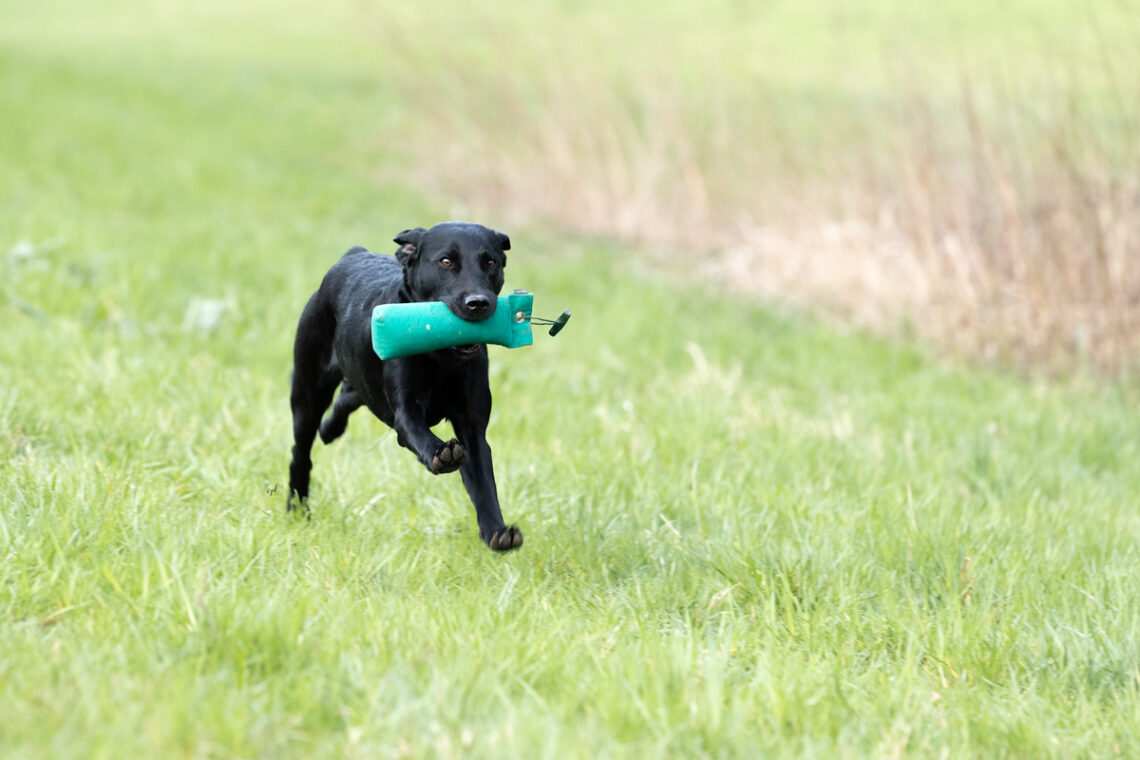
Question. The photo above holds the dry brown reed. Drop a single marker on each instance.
(1006, 227)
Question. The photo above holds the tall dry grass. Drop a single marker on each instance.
(997, 222)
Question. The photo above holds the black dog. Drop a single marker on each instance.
(458, 263)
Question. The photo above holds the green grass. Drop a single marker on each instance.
(748, 534)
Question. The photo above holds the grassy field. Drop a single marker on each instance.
(748, 533)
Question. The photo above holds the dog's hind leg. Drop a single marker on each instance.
(315, 377)
(336, 421)
(308, 404)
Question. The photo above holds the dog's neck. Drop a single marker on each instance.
(405, 291)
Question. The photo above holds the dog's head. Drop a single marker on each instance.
(459, 263)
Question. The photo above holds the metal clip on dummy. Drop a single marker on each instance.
(406, 329)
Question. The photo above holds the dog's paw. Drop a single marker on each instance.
(332, 427)
(504, 540)
(448, 457)
(295, 505)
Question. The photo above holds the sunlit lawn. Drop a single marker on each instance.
(747, 534)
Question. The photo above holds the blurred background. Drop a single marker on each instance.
(966, 171)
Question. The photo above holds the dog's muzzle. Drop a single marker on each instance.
(476, 307)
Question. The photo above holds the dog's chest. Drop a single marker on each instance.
(439, 400)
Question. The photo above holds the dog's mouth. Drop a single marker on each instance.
(467, 351)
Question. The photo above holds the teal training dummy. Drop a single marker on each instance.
(406, 329)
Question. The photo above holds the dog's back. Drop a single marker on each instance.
(360, 276)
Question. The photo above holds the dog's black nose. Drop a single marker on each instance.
(477, 305)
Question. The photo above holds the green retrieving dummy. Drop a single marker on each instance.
(405, 329)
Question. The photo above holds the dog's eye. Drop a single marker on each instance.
(489, 264)
(445, 263)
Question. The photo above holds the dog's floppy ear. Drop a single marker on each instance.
(409, 242)
(504, 241)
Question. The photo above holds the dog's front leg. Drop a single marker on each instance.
(479, 476)
(409, 413)
(412, 432)
(479, 480)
